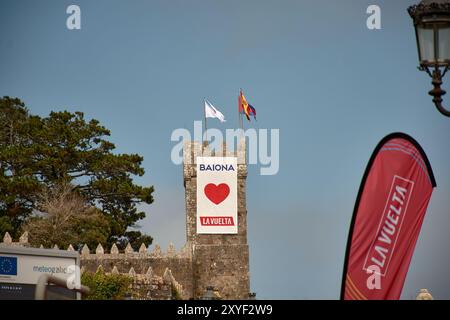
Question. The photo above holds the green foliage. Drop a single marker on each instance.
(17, 183)
(39, 153)
(106, 287)
(176, 295)
(135, 239)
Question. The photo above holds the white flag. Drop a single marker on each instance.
(211, 112)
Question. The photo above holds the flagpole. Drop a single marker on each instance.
(239, 106)
(204, 114)
(239, 109)
(240, 113)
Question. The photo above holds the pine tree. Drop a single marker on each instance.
(38, 153)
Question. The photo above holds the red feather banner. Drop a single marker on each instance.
(389, 211)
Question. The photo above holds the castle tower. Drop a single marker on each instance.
(218, 260)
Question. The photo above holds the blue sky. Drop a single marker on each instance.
(311, 68)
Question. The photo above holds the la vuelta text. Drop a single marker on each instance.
(226, 309)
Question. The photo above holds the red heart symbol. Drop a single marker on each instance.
(217, 193)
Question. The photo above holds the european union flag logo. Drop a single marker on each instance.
(8, 266)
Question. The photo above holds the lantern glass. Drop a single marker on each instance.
(444, 44)
(425, 38)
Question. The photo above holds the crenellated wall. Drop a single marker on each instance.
(154, 273)
(178, 264)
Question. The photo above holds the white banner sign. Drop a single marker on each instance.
(27, 269)
(217, 195)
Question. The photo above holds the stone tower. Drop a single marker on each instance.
(218, 260)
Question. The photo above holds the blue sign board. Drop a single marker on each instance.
(8, 266)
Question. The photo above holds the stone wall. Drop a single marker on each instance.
(153, 273)
(177, 264)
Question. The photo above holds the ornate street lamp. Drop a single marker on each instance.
(432, 24)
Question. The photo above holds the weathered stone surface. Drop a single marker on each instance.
(424, 295)
(99, 249)
(24, 238)
(129, 249)
(167, 275)
(157, 251)
(142, 249)
(85, 251)
(100, 269)
(7, 238)
(115, 270)
(114, 249)
(171, 250)
(181, 268)
(224, 267)
(185, 252)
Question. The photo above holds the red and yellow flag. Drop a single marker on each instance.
(244, 107)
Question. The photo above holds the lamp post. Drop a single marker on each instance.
(432, 23)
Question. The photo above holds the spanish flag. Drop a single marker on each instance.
(245, 107)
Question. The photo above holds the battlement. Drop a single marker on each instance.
(8, 241)
(156, 274)
(114, 253)
(194, 149)
(129, 253)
